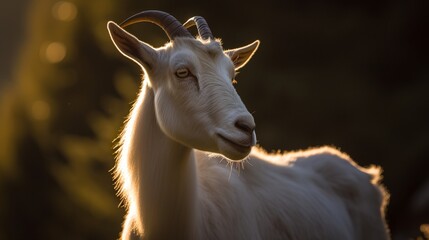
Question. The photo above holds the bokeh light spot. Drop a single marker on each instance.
(40, 110)
(55, 52)
(425, 230)
(64, 11)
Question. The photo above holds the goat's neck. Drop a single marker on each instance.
(163, 173)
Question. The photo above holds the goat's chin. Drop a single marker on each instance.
(234, 153)
(236, 157)
(235, 150)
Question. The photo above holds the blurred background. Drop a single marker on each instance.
(353, 74)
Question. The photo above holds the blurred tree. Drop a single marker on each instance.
(57, 126)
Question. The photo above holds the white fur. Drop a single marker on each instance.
(174, 191)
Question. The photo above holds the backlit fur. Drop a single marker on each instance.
(171, 170)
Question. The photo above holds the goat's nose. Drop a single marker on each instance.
(245, 124)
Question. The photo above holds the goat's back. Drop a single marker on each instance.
(315, 194)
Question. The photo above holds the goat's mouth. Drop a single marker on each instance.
(236, 145)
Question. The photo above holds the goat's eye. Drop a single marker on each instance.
(182, 72)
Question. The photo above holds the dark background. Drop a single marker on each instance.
(353, 74)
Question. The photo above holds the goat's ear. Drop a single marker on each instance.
(240, 56)
(132, 48)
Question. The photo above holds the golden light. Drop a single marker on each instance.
(55, 52)
(64, 11)
(425, 230)
(40, 110)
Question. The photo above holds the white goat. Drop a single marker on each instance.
(174, 186)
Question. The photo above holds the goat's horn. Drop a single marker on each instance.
(171, 26)
(202, 26)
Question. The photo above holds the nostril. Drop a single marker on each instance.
(245, 126)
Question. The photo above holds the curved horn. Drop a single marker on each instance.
(202, 26)
(171, 26)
